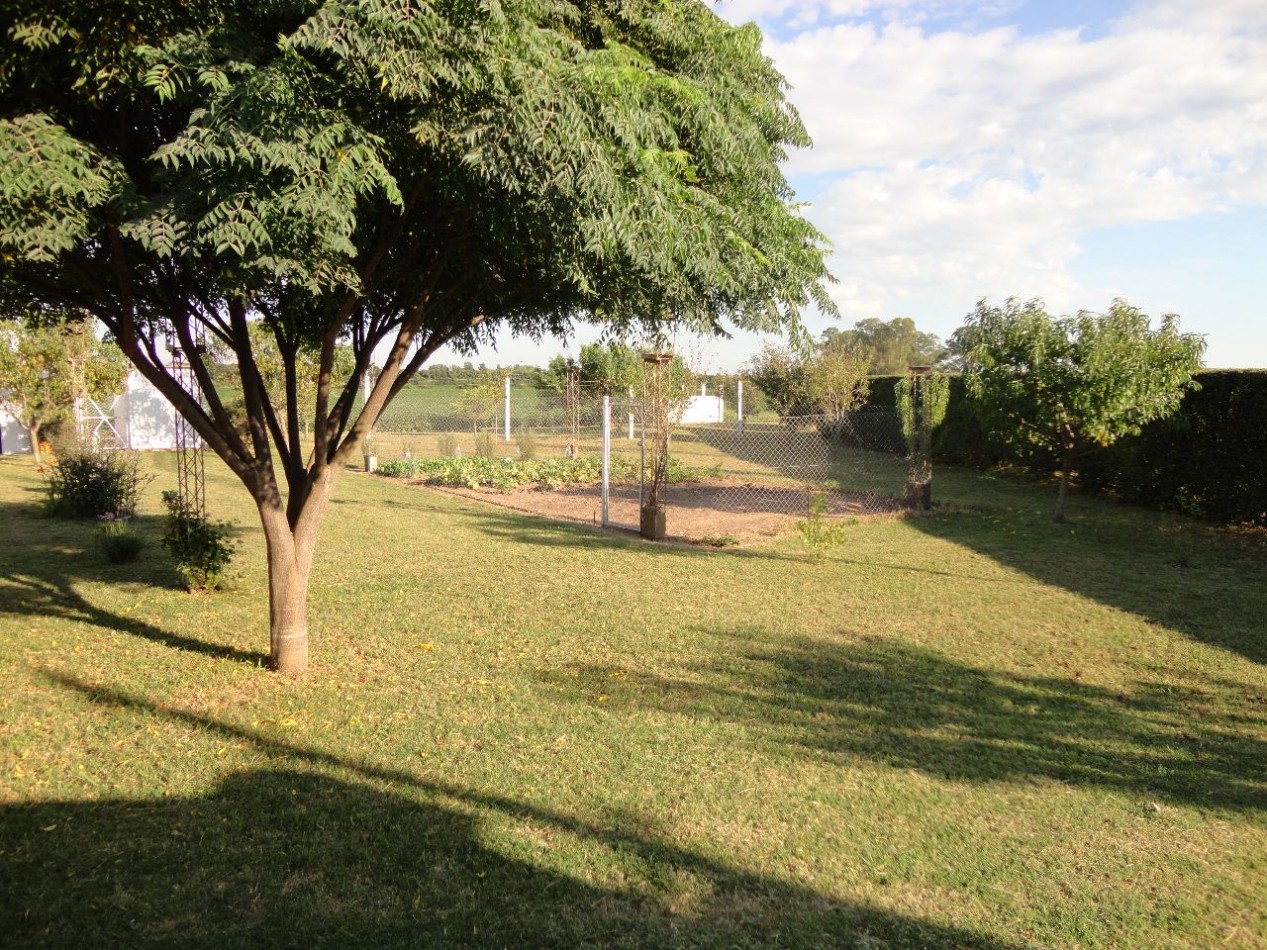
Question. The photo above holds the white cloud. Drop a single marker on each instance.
(970, 163)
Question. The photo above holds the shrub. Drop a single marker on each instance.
(527, 443)
(484, 444)
(446, 443)
(201, 548)
(818, 532)
(86, 483)
(119, 545)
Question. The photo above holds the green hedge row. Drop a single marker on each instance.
(1209, 459)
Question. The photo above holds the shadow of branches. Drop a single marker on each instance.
(47, 560)
(313, 850)
(915, 709)
(1209, 585)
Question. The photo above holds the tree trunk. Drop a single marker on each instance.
(1065, 462)
(289, 565)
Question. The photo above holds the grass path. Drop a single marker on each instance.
(974, 729)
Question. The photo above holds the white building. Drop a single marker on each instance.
(141, 418)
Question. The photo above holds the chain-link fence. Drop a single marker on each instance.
(728, 477)
(857, 464)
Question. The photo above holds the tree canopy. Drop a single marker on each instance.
(1067, 384)
(395, 176)
(889, 348)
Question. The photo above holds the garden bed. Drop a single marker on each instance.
(710, 511)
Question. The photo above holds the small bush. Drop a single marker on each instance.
(484, 444)
(447, 444)
(201, 548)
(820, 534)
(85, 483)
(118, 544)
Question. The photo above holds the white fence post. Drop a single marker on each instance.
(631, 414)
(607, 458)
(506, 411)
(739, 391)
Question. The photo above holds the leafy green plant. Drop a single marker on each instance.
(87, 483)
(201, 548)
(819, 533)
(476, 471)
(117, 542)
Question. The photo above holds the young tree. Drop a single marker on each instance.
(921, 402)
(481, 402)
(780, 375)
(609, 368)
(396, 176)
(832, 381)
(1066, 385)
(37, 379)
(836, 381)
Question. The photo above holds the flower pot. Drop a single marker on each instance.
(651, 524)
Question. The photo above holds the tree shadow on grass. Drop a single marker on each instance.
(1204, 583)
(45, 561)
(317, 851)
(915, 709)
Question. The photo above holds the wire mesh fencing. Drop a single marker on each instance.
(856, 464)
(544, 452)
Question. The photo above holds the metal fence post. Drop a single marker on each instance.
(631, 414)
(506, 411)
(607, 458)
(739, 391)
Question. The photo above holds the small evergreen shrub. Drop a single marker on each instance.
(201, 548)
(87, 483)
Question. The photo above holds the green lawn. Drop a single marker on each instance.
(972, 729)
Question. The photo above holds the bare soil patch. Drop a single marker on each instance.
(703, 511)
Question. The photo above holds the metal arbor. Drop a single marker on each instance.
(191, 472)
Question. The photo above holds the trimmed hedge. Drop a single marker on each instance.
(1208, 459)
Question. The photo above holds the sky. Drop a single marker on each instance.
(1068, 150)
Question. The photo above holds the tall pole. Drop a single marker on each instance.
(739, 391)
(607, 458)
(506, 412)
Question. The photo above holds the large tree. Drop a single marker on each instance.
(890, 348)
(393, 174)
(1066, 385)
